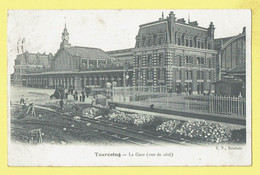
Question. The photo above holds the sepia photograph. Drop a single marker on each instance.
(163, 87)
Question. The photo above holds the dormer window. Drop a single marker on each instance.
(143, 41)
(149, 42)
(161, 40)
(179, 41)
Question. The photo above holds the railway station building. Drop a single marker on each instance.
(174, 54)
(77, 67)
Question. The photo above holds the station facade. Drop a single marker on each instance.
(169, 53)
(77, 67)
(177, 55)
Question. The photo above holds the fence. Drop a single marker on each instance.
(233, 106)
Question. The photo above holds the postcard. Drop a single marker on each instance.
(129, 87)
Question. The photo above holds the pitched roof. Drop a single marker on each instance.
(87, 52)
(27, 58)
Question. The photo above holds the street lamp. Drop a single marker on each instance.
(125, 77)
(114, 83)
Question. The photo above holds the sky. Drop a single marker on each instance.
(105, 29)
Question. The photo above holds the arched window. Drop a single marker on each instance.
(149, 42)
(195, 41)
(143, 41)
(160, 40)
(186, 42)
(202, 45)
(179, 41)
(190, 43)
(154, 39)
(183, 39)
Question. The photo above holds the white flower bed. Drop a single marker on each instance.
(198, 130)
(136, 119)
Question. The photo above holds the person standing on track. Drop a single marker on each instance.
(61, 104)
(22, 100)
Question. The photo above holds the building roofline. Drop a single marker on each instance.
(118, 50)
(154, 22)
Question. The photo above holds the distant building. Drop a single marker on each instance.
(231, 53)
(170, 53)
(232, 60)
(122, 57)
(30, 63)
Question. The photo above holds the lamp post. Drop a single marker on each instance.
(125, 77)
(114, 83)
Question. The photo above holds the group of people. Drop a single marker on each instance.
(64, 94)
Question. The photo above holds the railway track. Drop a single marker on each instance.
(127, 134)
(85, 130)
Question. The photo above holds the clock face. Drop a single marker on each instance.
(65, 37)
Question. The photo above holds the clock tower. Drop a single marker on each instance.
(65, 39)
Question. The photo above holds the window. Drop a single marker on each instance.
(143, 41)
(154, 39)
(198, 44)
(179, 60)
(161, 74)
(149, 74)
(160, 58)
(190, 75)
(202, 45)
(198, 60)
(186, 74)
(190, 59)
(209, 46)
(186, 59)
(186, 43)
(137, 72)
(201, 75)
(150, 60)
(202, 60)
(161, 40)
(137, 44)
(198, 75)
(195, 42)
(209, 60)
(179, 41)
(138, 61)
(178, 76)
(149, 42)
(190, 43)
